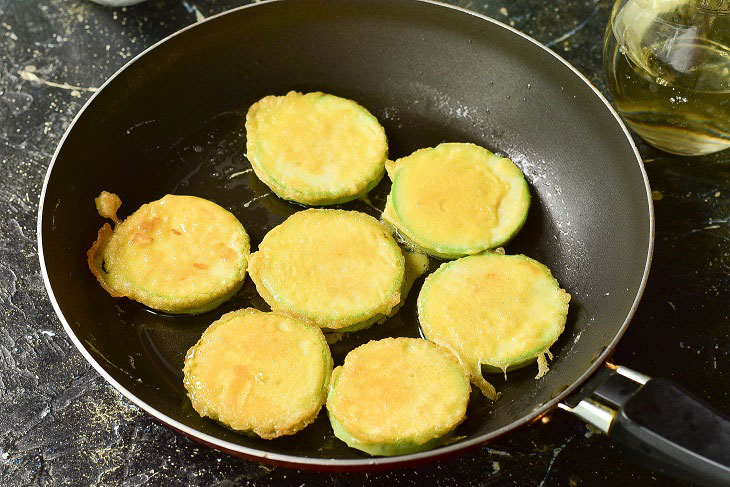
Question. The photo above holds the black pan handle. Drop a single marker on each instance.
(658, 424)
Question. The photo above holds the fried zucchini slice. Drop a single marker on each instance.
(179, 254)
(315, 148)
(456, 199)
(397, 396)
(259, 373)
(501, 311)
(339, 269)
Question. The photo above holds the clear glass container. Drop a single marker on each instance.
(668, 69)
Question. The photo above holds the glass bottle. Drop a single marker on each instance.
(668, 69)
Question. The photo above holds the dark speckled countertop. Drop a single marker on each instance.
(61, 424)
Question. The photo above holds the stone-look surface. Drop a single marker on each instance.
(61, 424)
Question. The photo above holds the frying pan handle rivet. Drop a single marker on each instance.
(605, 394)
(593, 413)
(628, 373)
(632, 374)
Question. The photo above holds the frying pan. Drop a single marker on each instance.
(171, 121)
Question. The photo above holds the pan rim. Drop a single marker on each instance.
(294, 461)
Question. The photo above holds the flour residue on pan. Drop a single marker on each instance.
(546, 184)
(430, 99)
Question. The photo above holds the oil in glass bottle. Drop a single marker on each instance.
(668, 68)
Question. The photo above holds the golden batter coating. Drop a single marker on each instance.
(456, 199)
(397, 396)
(179, 254)
(315, 148)
(502, 311)
(259, 373)
(338, 269)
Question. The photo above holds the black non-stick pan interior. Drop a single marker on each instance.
(173, 122)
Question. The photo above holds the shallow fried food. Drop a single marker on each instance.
(397, 396)
(416, 264)
(456, 199)
(339, 269)
(315, 148)
(502, 311)
(179, 254)
(259, 373)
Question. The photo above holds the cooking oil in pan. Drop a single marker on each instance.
(668, 68)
